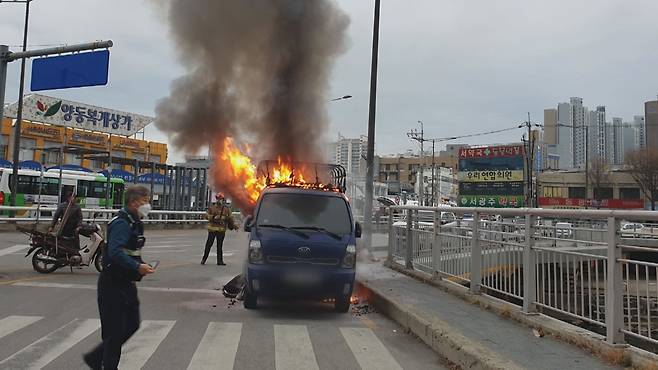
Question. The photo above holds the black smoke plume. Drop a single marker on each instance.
(257, 70)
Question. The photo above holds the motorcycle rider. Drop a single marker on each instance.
(219, 219)
(69, 216)
(118, 304)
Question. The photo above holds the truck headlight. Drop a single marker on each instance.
(349, 261)
(255, 252)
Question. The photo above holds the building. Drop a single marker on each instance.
(37, 138)
(400, 172)
(569, 189)
(349, 153)
(599, 135)
(564, 145)
(616, 141)
(651, 122)
(640, 133)
(629, 139)
(578, 121)
(444, 186)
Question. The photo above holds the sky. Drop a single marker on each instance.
(459, 66)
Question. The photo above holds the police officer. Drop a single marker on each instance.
(122, 267)
(219, 219)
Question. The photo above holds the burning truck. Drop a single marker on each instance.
(302, 235)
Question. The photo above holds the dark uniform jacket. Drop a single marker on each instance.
(123, 254)
(70, 220)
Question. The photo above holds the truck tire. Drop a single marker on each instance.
(342, 304)
(250, 301)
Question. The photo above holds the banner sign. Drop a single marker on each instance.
(491, 201)
(492, 152)
(490, 176)
(88, 137)
(488, 164)
(60, 112)
(589, 203)
(492, 188)
(52, 132)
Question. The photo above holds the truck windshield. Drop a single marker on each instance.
(305, 211)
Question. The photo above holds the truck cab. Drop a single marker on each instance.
(302, 244)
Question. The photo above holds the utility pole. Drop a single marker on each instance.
(434, 202)
(530, 149)
(419, 136)
(370, 173)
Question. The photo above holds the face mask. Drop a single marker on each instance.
(144, 210)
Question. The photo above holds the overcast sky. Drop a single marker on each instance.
(460, 66)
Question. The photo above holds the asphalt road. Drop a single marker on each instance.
(49, 321)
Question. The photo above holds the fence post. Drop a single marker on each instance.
(529, 268)
(476, 255)
(391, 235)
(436, 242)
(614, 309)
(409, 245)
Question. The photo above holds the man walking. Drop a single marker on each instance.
(219, 219)
(122, 267)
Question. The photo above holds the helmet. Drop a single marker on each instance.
(219, 196)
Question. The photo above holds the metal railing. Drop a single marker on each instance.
(102, 215)
(579, 266)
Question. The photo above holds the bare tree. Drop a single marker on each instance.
(643, 166)
(599, 175)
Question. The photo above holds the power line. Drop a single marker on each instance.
(476, 134)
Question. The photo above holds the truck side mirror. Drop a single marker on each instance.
(357, 230)
(247, 223)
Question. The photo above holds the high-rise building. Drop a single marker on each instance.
(651, 122)
(564, 146)
(629, 139)
(640, 132)
(599, 134)
(348, 153)
(617, 141)
(578, 121)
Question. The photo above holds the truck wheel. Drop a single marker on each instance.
(342, 304)
(250, 300)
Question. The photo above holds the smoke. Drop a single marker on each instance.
(257, 71)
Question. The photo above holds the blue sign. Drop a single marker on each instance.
(157, 178)
(121, 174)
(72, 70)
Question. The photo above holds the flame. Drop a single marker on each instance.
(235, 173)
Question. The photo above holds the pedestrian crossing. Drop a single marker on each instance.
(217, 348)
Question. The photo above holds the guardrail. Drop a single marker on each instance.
(103, 215)
(579, 266)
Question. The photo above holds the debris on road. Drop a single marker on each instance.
(362, 309)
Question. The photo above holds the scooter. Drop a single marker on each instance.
(50, 252)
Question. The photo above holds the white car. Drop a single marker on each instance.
(563, 230)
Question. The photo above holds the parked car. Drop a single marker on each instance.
(638, 230)
(563, 230)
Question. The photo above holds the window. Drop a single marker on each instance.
(603, 193)
(4, 146)
(50, 158)
(91, 189)
(155, 158)
(71, 158)
(629, 193)
(577, 193)
(305, 211)
(27, 149)
(30, 185)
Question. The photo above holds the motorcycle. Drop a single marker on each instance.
(50, 252)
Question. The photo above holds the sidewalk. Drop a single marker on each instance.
(463, 333)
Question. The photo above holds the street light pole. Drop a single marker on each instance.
(370, 173)
(19, 115)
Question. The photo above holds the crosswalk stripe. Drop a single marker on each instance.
(293, 348)
(43, 351)
(369, 351)
(13, 249)
(143, 344)
(218, 347)
(11, 324)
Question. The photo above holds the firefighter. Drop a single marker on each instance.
(118, 304)
(219, 220)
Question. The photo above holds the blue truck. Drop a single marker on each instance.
(302, 243)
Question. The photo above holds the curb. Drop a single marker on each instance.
(584, 339)
(437, 334)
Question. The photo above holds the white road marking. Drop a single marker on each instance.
(218, 347)
(13, 249)
(11, 324)
(214, 254)
(146, 248)
(143, 344)
(43, 351)
(369, 351)
(293, 348)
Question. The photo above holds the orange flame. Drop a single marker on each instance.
(235, 173)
